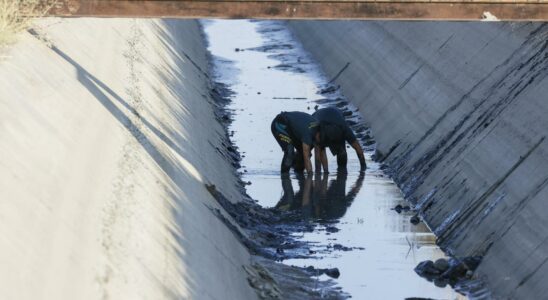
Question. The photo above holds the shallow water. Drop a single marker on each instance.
(355, 228)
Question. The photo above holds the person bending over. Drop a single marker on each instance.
(333, 133)
(295, 132)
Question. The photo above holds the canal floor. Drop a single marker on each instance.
(355, 227)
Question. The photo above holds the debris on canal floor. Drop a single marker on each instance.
(273, 280)
(267, 234)
(137, 160)
(279, 233)
(458, 273)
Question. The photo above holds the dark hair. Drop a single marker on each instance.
(329, 134)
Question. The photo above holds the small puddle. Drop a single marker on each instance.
(355, 228)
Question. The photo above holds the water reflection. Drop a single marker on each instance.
(385, 246)
(319, 198)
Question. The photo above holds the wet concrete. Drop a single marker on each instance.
(344, 225)
(459, 111)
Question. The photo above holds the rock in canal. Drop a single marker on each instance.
(399, 208)
(333, 273)
(441, 282)
(441, 264)
(331, 229)
(415, 220)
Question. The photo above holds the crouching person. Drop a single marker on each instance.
(334, 132)
(295, 132)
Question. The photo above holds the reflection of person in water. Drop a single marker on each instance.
(318, 200)
(294, 201)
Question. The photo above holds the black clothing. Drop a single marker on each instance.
(291, 130)
(294, 128)
(293, 159)
(342, 159)
(333, 130)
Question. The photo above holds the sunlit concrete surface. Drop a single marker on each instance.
(107, 137)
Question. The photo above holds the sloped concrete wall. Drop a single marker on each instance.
(460, 114)
(107, 138)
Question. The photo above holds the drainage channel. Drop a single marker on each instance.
(354, 227)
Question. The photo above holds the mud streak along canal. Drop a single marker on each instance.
(355, 228)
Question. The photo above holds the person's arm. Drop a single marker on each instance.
(317, 160)
(320, 159)
(359, 152)
(323, 159)
(306, 158)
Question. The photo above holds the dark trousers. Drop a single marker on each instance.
(281, 131)
(342, 159)
(340, 151)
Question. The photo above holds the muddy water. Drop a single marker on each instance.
(355, 228)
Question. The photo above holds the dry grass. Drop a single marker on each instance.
(16, 16)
